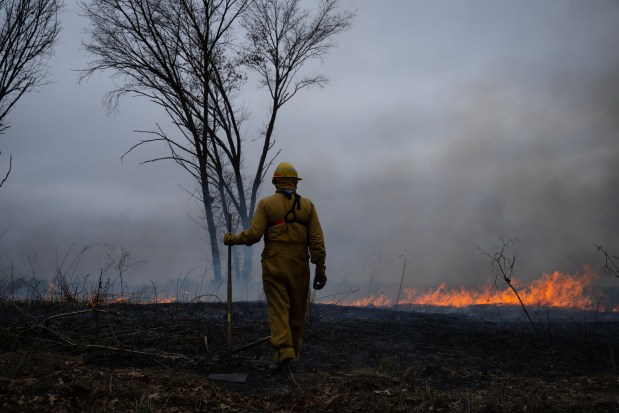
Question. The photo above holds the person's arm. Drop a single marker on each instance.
(255, 231)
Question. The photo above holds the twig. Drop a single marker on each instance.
(72, 343)
(205, 295)
(404, 260)
(139, 332)
(337, 294)
(253, 343)
(67, 341)
(125, 350)
(46, 321)
(346, 296)
(610, 266)
(293, 379)
(7, 172)
(504, 267)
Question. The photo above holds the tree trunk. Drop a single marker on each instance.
(212, 230)
(247, 264)
(237, 263)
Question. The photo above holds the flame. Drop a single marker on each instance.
(95, 299)
(380, 300)
(163, 300)
(556, 289)
(51, 294)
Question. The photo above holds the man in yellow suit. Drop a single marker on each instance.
(292, 236)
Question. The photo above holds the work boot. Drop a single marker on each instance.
(281, 369)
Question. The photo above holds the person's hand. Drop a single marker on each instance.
(320, 279)
(229, 239)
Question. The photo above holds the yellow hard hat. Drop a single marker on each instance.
(285, 170)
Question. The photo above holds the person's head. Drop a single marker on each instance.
(285, 176)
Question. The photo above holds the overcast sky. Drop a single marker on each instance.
(446, 125)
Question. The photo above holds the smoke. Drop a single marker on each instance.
(517, 140)
(445, 127)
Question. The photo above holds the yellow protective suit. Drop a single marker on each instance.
(291, 238)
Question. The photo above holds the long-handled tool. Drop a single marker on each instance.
(236, 377)
(262, 340)
(233, 377)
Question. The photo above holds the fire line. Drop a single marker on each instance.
(556, 289)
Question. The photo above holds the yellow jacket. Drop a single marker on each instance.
(281, 224)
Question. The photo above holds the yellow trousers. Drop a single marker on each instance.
(285, 277)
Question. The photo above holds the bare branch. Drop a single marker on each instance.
(503, 267)
(7, 172)
(28, 32)
(611, 263)
(281, 39)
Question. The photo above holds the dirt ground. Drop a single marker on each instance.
(158, 357)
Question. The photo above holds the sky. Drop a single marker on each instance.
(446, 125)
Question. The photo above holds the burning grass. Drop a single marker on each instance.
(157, 357)
(554, 290)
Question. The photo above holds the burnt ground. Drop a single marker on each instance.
(150, 358)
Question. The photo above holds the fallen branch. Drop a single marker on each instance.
(71, 343)
(64, 340)
(253, 343)
(129, 351)
(46, 321)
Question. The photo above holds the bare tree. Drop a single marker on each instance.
(611, 262)
(503, 268)
(28, 32)
(192, 58)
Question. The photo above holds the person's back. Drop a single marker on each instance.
(290, 220)
(292, 235)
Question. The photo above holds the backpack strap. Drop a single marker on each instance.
(291, 215)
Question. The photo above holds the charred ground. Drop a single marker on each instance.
(155, 357)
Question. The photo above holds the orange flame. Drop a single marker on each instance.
(98, 300)
(555, 289)
(51, 294)
(163, 300)
(380, 300)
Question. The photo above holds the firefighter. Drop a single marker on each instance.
(292, 236)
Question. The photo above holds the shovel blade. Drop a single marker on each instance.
(232, 377)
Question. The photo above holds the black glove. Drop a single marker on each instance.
(320, 279)
(229, 239)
